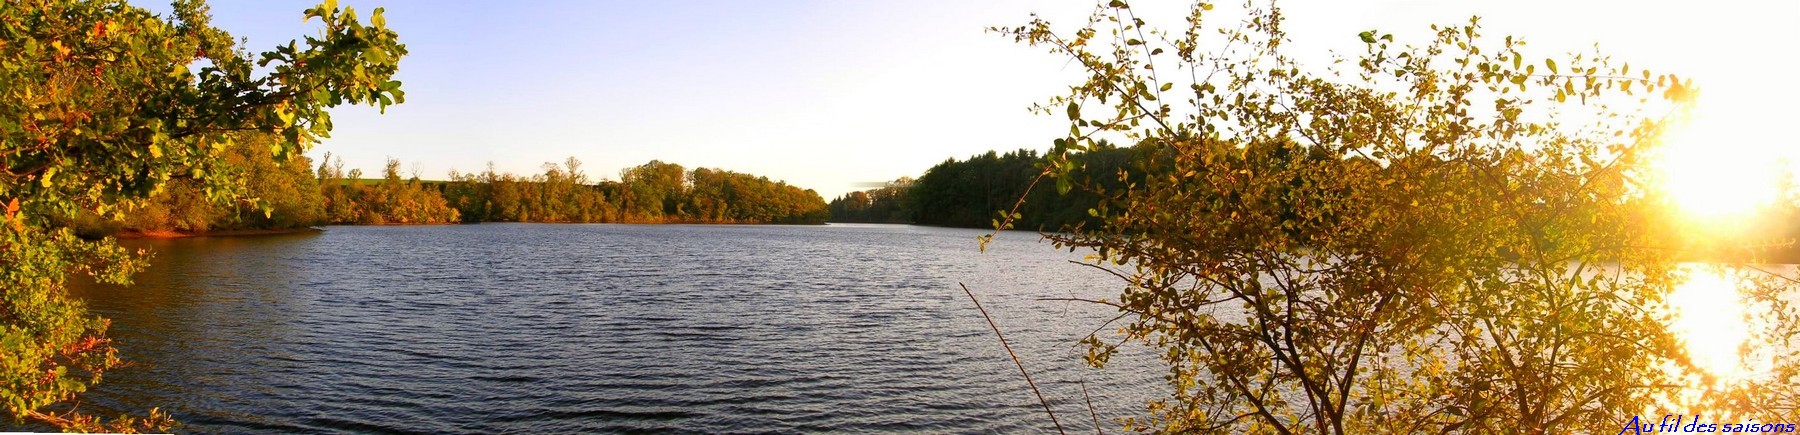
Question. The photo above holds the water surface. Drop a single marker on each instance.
(611, 328)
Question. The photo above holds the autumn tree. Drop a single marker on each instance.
(1441, 236)
(102, 104)
(335, 190)
(655, 192)
(656, 189)
(279, 194)
(851, 207)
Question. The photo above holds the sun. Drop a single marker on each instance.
(1716, 168)
(1721, 168)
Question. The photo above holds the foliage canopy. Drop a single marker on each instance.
(654, 192)
(1443, 237)
(889, 204)
(103, 104)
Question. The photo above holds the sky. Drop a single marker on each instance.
(833, 95)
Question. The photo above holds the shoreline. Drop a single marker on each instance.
(179, 234)
(636, 222)
(173, 234)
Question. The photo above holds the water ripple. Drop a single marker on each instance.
(608, 328)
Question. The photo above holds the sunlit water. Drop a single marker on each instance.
(1711, 321)
(622, 328)
(611, 328)
(1730, 336)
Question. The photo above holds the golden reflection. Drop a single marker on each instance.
(1710, 319)
(1722, 333)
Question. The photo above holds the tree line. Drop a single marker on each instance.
(973, 193)
(287, 194)
(655, 192)
(980, 191)
(390, 200)
(889, 204)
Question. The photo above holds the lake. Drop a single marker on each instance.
(612, 328)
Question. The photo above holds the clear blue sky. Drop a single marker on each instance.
(827, 94)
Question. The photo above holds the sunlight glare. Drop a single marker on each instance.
(1715, 166)
(1711, 319)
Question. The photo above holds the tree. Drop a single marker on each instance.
(655, 192)
(851, 207)
(1444, 237)
(390, 200)
(968, 193)
(336, 188)
(102, 106)
(657, 189)
(282, 194)
(286, 189)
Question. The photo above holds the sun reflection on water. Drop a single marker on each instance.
(1721, 171)
(1711, 320)
(1724, 334)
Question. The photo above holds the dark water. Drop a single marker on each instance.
(611, 328)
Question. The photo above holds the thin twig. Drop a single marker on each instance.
(1090, 405)
(1015, 358)
(1007, 221)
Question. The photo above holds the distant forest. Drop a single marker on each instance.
(972, 193)
(296, 196)
(967, 193)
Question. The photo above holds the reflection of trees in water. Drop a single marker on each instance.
(185, 321)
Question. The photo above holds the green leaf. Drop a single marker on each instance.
(1074, 111)
(1552, 64)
